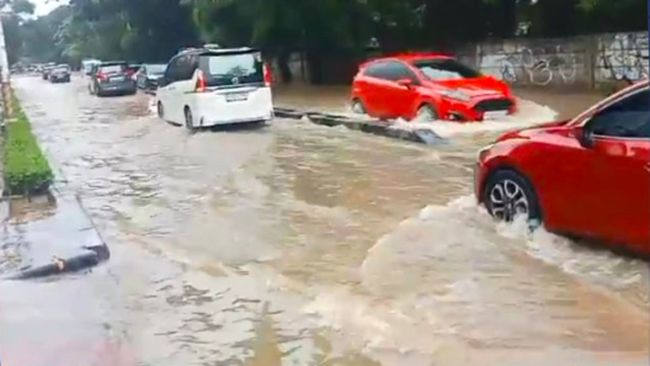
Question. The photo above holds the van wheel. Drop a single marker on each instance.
(358, 107)
(426, 113)
(509, 195)
(161, 111)
(189, 120)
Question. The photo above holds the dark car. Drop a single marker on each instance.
(149, 75)
(60, 74)
(111, 78)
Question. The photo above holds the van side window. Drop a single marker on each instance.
(185, 67)
(170, 72)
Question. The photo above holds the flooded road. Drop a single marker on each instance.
(297, 244)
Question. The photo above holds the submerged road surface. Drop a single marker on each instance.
(296, 244)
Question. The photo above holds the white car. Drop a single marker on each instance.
(205, 87)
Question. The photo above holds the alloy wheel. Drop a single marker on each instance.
(508, 200)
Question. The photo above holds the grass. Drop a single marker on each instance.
(26, 168)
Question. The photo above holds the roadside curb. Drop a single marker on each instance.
(63, 242)
(75, 247)
(371, 126)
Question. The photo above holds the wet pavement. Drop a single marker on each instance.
(305, 245)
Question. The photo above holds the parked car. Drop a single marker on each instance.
(132, 70)
(206, 87)
(148, 76)
(428, 87)
(60, 73)
(111, 78)
(45, 71)
(587, 177)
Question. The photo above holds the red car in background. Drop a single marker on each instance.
(428, 87)
(587, 177)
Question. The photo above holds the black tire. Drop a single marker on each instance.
(189, 120)
(160, 110)
(427, 113)
(505, 194)
(358, 107)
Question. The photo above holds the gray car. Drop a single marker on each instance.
(111, 78)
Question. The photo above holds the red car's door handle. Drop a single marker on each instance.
(647, 167)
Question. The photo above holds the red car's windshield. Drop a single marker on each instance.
(445, 69)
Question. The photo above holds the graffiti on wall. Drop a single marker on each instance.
(518, 64)
(623, 56)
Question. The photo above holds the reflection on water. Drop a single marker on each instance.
(301, 244)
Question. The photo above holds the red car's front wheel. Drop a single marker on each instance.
(509, 195)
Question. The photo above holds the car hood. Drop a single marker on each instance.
(531, 132)
(476, 87)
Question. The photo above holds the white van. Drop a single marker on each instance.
(206, 87)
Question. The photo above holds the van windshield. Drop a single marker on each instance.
(229, 70)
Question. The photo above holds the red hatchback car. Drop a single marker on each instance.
(587, 177)
(428, 87)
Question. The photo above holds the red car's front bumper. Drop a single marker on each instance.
(478, 110)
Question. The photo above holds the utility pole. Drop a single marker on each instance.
(4, 73)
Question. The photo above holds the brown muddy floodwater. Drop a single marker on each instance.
(296, 244)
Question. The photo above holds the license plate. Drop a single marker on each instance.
(495, 115)
(118, 78)
(236, 97)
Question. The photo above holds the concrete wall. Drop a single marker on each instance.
(567, 62)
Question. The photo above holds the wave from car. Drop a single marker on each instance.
(428, 87)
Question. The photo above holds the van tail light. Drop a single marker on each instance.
(102, 77)
(201, 84)
(268, 78)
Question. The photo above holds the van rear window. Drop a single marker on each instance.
(229, 70)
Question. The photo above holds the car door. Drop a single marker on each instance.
(606, 187)
(400, 98)
(185, 84)
(166, 90)
(367, 88)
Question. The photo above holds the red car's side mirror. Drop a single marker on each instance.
(584, 136)
(405, 82)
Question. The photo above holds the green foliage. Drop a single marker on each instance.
(153, 30)
(26, 168)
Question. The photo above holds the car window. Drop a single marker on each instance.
(170, 73)
(155, 69)
(629, 117)
(397, 71)
(226, 70)
(185, 66)
(445, 69)
(112, 68)
(376, 70)
(390, 70)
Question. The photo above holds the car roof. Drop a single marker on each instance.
(218, 51)
(409, 57)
